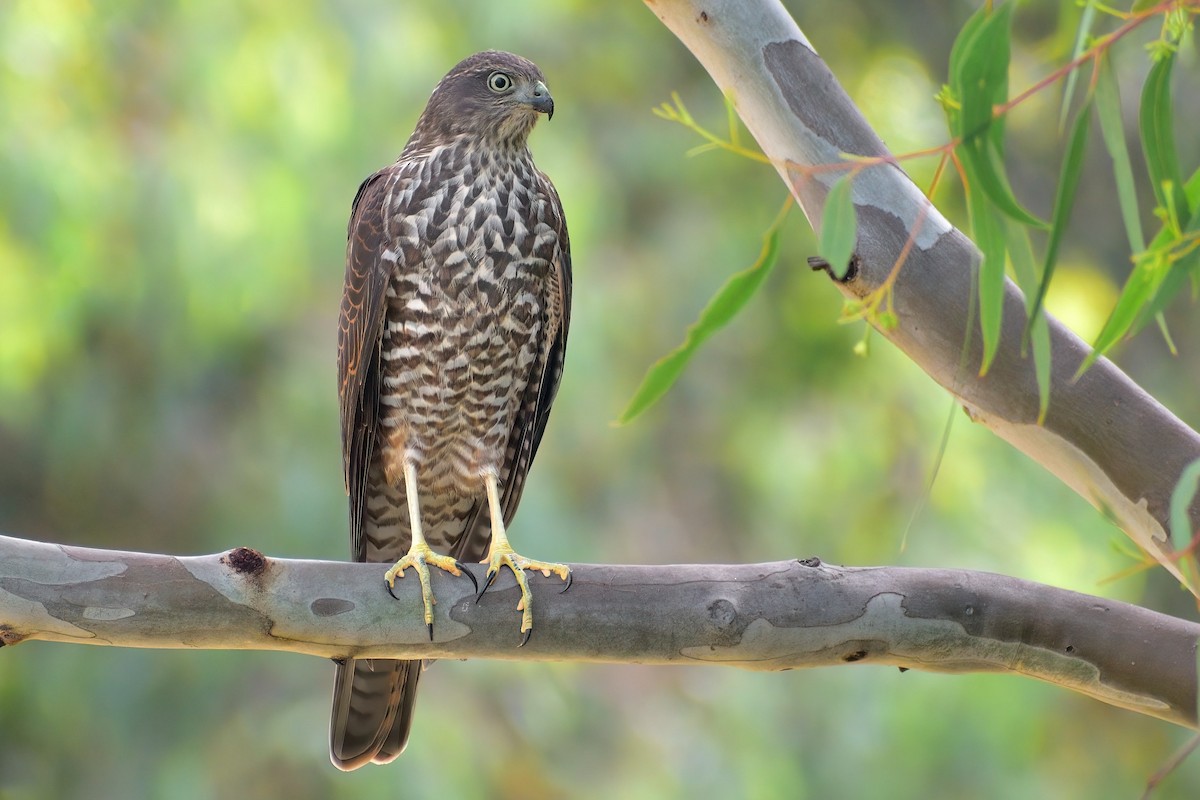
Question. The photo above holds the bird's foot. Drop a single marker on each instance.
(504, 555)
(421, 557)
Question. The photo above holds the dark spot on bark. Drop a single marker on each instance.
(1070, 648)
(704, 16)
(330, 606)
(722, 613)
(902, 669)
(246, 561)
(857, 655)
(811, 561)
(819, 264)
(9, 636)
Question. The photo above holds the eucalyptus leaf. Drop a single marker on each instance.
(1064, 201)
(724, 305)
(839, 227)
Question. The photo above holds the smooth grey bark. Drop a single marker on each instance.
(776, 616)
(1104, 436)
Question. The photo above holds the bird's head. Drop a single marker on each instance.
(492, 95)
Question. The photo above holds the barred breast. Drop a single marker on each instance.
(464, 331)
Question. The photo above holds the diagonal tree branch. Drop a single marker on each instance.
(1104, 436)
(776, 616)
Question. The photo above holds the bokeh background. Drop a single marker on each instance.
(175, 179)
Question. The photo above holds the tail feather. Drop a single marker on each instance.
(373, 702)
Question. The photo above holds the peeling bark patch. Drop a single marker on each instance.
(811, 561)
(246, 561)
(154, 588)
(105, 614)
(857, 655)
(330, 606)
(816, 98)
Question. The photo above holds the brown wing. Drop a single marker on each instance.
(360, 330)
(531, 423)
(373, 699)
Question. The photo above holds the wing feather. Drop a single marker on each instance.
(372, 700)
(360, 332)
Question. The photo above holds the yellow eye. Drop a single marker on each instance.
(499, 82)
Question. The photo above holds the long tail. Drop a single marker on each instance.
(373, 699)
(373, 702)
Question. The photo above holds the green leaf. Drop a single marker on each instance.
(985, 166)
(1181, 499)
(979, 73)
(1139, 289)
(1020, 252)
(839, 227)
(1171, 284)
(986, 227)
(1183, 267)
(728, 300)
(979, 81)
(1158, 139)
(1108, 108)
(1081, 38)
(1147, 282)
(1064, 201)
(962, 43)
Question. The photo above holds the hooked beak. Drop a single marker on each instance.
(538, 98)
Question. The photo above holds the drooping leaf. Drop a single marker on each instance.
(1171, 285)
(1064, 201)
(1081, 38)
(962, 43)
(979, 73)
(1143, 291)
(1182, 268)
(986, 227)
(1139, 289)
(979, 80)
(728, 300)
(1108, 109)
(985, 166)
(1157, 122)
(1181, 498)
(839, 227)
(1020, 251)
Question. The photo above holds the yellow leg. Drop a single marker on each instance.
(420, 555)
(502, 554)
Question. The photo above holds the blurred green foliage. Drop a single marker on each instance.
(175, 179)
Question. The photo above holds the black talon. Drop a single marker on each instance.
(430, 624)
(491, 576)
(525, 638)
(570, 580)
(467, 572)
(389, 588)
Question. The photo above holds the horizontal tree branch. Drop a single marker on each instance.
(774, 616)
(1104, 436)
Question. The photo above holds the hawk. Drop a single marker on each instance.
(451, 338)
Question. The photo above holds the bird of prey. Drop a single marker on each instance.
(450, 349)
